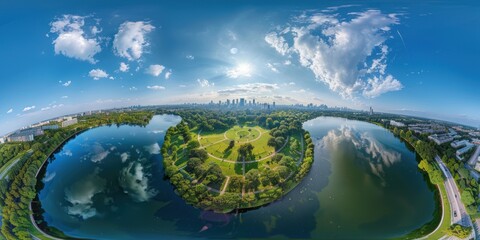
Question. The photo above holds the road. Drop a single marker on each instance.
(13, 163)
(459, 214)
(474, 157)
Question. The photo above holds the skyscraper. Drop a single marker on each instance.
(242, 102)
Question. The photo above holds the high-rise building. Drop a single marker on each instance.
(371, 111)
(242, 102)
(273, 105)
(228, 101)
(253, 102)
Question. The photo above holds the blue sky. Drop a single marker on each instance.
(63, 57)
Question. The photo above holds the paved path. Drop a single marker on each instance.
(251, 161)
(4, 173)
(226, 185)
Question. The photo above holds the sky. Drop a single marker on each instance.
(61, 57)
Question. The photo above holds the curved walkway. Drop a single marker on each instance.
(263, 190)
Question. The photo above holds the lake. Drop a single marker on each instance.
(107, 183)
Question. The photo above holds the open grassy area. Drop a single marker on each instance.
(217, 145)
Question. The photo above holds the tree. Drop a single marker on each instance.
(294, 145)
(193, 164)
(272, 143)
(467, 197)
(252, 178)
(245, 151)
(459, 231)
(193, 144)
(199, 153)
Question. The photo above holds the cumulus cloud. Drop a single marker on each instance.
(80, 195)
(153, 149)
(156, 87)
(96, 74)
(234, 51)
(375, 155)
(349, 56)
(123, 67)
(99, 153)
(134, 182)
(72, 41)
(10, 110)
(67, 83)
(130, 41)
(249, 88)
(49, 177)
(155, 70)
(168, 74)
(272, 67)
(190, 57)
(278, 42)
(205, 83)
(28, 108)
(124, 156)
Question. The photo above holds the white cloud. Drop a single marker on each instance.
(272, 67)
(153, 149)
(205, 83)
(80, 195)
(133, 88)
(96, 74)
(182, 85)
(234, 51)
(249, 88)
(287, 62)
(156, 87)
(278, 42)
(72, 41)
(124, 156)
(67, 83)
(99, 153)
(168, 74)
(130, 40)
(299, 91)
(190, 57)
(64, 97)
(10, 110)
(123, 67)
(45, 108)
(28, 108)
(155, 69)
(134, 182)
(377, 86)
(349, 56)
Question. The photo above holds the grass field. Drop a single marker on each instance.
(217, 144)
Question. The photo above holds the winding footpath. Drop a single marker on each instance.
(242, 162)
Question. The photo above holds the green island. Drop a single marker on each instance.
(220, 162)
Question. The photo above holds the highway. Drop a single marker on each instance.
(459, 213)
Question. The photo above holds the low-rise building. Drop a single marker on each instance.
(69, 122)
(464, 149)
(50, 127)
(442, 138)
(477, 165)
(457, 143)
(2, 140)
(20, 138)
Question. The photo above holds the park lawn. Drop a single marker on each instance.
(228, 169)
(209, 139)
(243, 134)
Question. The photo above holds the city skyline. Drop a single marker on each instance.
(90, 57)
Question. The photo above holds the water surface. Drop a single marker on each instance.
(107, 183)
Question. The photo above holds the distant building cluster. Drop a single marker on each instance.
(29, 133)
(397, 124)
(422, 128)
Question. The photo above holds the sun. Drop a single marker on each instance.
(241, 70)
